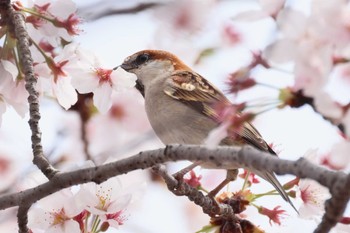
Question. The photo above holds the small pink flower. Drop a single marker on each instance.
(291, 184)
(55, 213)
(269, 8)
(274, 215)
(252, 179)
(70, 24)
(194, 180)
(184, 16)
(327, 161)
(313, 196)
(231, 122)
(62, 21)
(116, 219)
(240, 80)
(12, 90)
(47, 47)
(338, 156)
(81, 218)
(58, 72)
(91, 77)
(106, 198)
(231, 34)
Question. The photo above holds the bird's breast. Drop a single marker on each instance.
(174, 121)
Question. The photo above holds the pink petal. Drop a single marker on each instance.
(62, 9)
(327, 106)
(102, 97)
(216, 135)
(272, 7)
(292, 23)
(276, 52)
(64, 92)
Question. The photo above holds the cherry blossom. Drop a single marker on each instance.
(230, 34)
(105, 200)
(216, 135)
(52, 19)
(313, 196)
(12, 91)
(184, 17)
(90, 76)
(269, 8)
(55, 214)
(11, 164)
(327, 106)
(339, 154)
(231, 122)
(58, 71)
(274, 215)
(252, 179)
(194, 180)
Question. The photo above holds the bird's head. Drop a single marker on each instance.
(151, 65)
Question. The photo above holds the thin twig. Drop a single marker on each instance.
(17, 21)
(92, 12)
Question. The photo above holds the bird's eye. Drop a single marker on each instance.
(142, 58)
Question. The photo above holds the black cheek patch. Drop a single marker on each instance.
(140, 87)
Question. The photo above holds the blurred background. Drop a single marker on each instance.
(206, 35)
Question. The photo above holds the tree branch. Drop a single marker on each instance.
(16, 21)
(336, 205)
(221, 157)
(209, 205)
(92, 12)
(22, 216)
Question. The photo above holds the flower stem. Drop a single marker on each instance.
(95, 224)
(203, 189)
(267, 85)
(245, 183)
(266, 110)
(86, 223)
(18, 65)
(28, 10)
(281, 70)
(274, 102)
(47, 58)
(269, 193)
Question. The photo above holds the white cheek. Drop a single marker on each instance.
(154, 70)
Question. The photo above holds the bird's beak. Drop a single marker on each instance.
(126, 66)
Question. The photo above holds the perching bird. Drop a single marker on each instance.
(179, 105)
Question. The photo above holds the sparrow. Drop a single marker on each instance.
(180, 105)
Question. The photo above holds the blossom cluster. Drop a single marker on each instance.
(93, 208)
(61, 67)
(317, 52)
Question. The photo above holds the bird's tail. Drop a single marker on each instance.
(270, 177)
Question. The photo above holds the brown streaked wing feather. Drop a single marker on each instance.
(192, 89)
(251, 135)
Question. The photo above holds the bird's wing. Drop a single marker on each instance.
(192, 89)
(195, 91)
